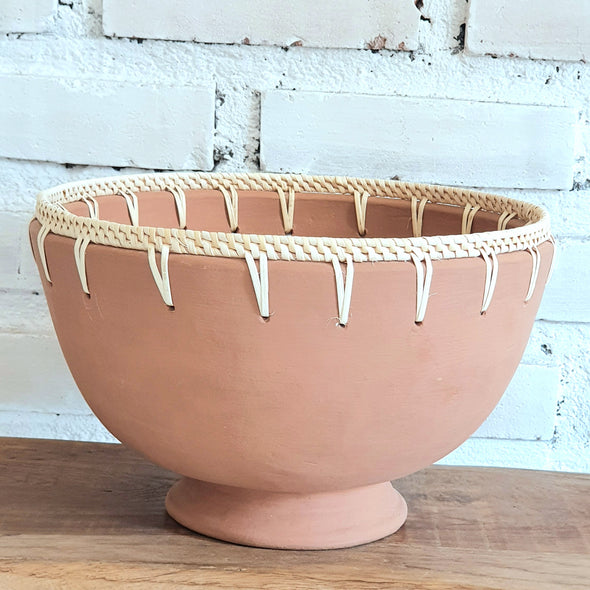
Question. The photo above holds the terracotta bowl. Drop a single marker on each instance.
(289, 378)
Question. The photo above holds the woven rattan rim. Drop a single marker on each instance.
(56, 219)
(257, 250)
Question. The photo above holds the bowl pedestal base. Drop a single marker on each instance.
(327, 520)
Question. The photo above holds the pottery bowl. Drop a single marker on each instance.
(289, 344)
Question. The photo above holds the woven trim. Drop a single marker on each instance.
(53, 217)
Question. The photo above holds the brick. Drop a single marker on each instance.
(391, 24)
(569, 211)
(10, 246)
(54, 426)
(567, 296)
(544, 29)
(23, 179)
(35, 377)
(527, 409)
(430, 140)
(17, 267)
(489, 452)
(27, 275)
(24, 311)
(105, 122)
(26, 16)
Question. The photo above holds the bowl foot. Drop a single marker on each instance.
(327, 520)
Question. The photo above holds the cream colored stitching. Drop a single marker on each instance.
(92, 205)
(504, 219)
(360, 208)
(161, 277)
(343, 288)
(536, 259)
(423, 282)
(553, 259)
(259, 281)
(287, 208)
(231, 204)
(491, 261)
(468, 217)
(180, 202)
(43, 233)
(80, 246)
(132, 205)
(418, 206)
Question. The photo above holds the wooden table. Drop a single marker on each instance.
(85, 515)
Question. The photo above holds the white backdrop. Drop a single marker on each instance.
(63, 116)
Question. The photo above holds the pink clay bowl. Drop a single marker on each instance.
(288, 423)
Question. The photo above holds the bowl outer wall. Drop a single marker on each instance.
(296, 403)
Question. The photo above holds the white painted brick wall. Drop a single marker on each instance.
(24, 311)
(106, 122)
(35, 376)
(329, 23)
(26, 16)
(54, 426)
(549, 396)
(567, 298)
(17, 269)
(10, 246)
(441, 141)
(518, 454)
(531, 387)
(545, 29)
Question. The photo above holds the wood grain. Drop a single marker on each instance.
(86, 516)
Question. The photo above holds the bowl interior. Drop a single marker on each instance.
(325, 215)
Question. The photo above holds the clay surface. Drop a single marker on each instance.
(296, 404)
(328, 520)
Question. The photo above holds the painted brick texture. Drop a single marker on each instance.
(26, 16)
(306, 87)
(106, 123)
(17, 269)
(35, 376)
(54, 426)
(10, 246)
(330, 23)
(532, 387)
(439, 141)
(544, 29)
(567, 297)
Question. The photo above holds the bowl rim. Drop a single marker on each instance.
(55, 218)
